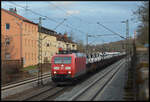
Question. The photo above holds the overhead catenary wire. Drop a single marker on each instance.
(62, 9)
(110, 30)
(67, 25)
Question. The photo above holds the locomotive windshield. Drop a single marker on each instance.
(62, 60)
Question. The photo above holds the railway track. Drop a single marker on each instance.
(28, 80)
(22, 86)
(24, 82)
(48, 92)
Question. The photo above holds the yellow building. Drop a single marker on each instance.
(71, 45)
(49, 45)
(61, 44)
(52, 42)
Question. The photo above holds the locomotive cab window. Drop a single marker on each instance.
(58, 60)
(67, 60)
(62, 60)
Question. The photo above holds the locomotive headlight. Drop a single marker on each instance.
(69, 72)
(67, 67)
(55, 72)
(56, 68)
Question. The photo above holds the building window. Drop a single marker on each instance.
(35, 44)
(7, 56)
(73, 47)
(47, 45)
(25, 27)
(32, 28)
(24, 41)
(32, 56)
(25, 55)
(32, 43)
(29, 56)
(29, 42)
(35, 57)
(7, 41)
(7, 26)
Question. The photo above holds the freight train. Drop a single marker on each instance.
(70, 66)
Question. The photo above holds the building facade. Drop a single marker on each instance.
(19, 38)
(65, 43)
(49, 44)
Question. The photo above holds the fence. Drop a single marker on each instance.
(11, 70)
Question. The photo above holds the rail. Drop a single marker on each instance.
(94, 82)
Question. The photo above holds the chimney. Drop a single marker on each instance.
(14, 10)
(65, 35)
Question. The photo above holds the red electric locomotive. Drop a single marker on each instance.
(67, 67)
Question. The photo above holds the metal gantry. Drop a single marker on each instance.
(40, 71)
(127, 42)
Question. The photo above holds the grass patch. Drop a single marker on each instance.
(30, 67)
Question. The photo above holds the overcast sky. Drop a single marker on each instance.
(82, 17)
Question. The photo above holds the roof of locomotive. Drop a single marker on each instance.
(71, 54)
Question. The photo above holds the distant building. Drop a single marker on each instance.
(19, 38)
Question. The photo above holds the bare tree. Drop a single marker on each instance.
(142, 14)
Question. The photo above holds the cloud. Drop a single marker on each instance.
(71, 12)
(63, 4)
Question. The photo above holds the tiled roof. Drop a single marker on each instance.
(18, 16)
(62, 38)
(47, 31)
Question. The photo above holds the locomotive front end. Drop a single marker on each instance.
(61, 68)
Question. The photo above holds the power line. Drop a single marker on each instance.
(90, 23)
(46, 17)
(66, 14)
(62, 9)
(110, 30)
